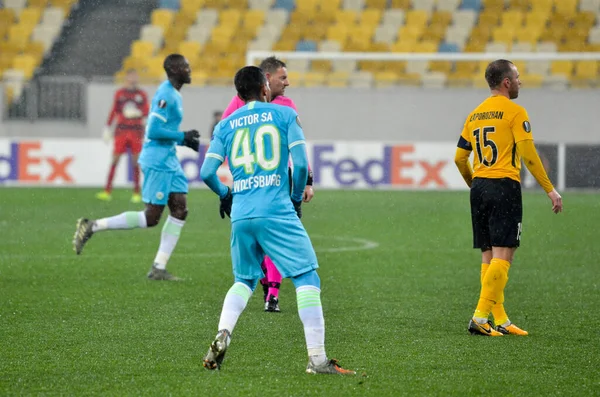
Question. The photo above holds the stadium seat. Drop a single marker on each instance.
(16, 5)
(338, 79)
(436, 80)
(393, 17)
(426, 5)
(356, 5)
(447, 5)
(162, 18)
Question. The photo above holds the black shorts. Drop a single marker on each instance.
(496, 213)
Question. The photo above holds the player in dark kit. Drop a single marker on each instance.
(130, 110)
(499, 132)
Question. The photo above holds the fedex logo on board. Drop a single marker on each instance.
(26, 162)
(399, 166)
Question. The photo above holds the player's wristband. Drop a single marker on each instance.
(309, 180)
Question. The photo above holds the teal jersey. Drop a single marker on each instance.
(257, 139)
(162, 130)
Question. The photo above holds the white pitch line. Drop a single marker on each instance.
(361, 244)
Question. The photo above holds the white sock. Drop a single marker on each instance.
(168, 240)
(233, 306)
(311, 314)
(126, 220)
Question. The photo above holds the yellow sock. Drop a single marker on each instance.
(484, 269)
(492, 287)
(500, 316)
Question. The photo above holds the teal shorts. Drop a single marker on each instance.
(158, 185)
(285, 241)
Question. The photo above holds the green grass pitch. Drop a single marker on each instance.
(397, 312)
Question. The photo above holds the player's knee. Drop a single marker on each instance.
(250, 283)
(309, 278)
(180, 213)
(152, 220)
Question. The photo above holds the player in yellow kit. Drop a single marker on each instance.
(499, 132)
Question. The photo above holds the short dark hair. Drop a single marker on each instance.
(170, 61)
(248, 82)
(271, 64)
(497, 71)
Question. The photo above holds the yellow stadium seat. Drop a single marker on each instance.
(568, 7)
(26, 63)
(575, 45)
(285, 45)
(494, 5)
(562, 67)
(503, 35)
(417, 18)
(207, 64)
(520, 5)
(30, 16)
(314, 79)
(315, 33)
(190, 49)
(191, 6)
(531, 80)
(7, 16)
(338, 33)
(527, 35)
(295, 78)
(184, 18)
(320, 66)
(338, 79)
(379, 47)
(425, 47)
(307, 5)
(324, 17)
(410, 33)
(403, 46)
(36, 50)
(199, 78)
(481, 34)
(254, 18)
(404, 4)
(4, 28)
(239, 4)
(512, 18)
(132, 62)
(329, 5)
(370, 66)
(346, 17)
(584, 19)
(212, 49)
(370, 17)
(475, 46)
(355, 46)
(163, 18)
(586, 69)
(434, 32)
(441, 66)
(488, 19)
(385, 79)
(142, 49)
(542, 5)
(230, 17)
(38, 3)
(398, 67)
(536, 19)
(18, 36)
(441, 18)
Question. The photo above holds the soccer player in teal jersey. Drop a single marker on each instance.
(164, 180)
(258, 139)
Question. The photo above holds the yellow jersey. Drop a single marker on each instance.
(492, 131)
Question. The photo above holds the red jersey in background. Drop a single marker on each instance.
(130, 109)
